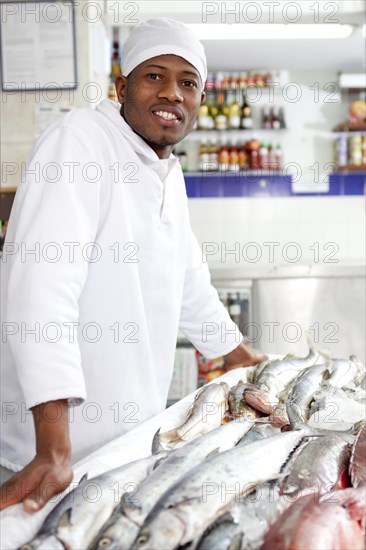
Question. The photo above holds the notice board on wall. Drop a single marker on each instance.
(37, 45)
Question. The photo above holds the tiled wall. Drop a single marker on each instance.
(220, 223)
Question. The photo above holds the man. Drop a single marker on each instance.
(101, 269)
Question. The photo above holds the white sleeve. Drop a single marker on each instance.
(54, 205)
(204, 319)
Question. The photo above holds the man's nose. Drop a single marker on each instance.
(170, 90)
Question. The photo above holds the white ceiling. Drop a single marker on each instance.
(347, 54)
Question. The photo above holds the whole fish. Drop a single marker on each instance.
(357, 467)
(209, 490)
(303, 388)
(123, 527)
(225, 535)
(237, 405)
(206, 412)
(77, 518)
(308, 525)
(258, 369)
(246, 523)
(319, 466)
(273, 379)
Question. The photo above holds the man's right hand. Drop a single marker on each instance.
(50, 472)
(37, 483)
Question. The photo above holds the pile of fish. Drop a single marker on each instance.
(277, 462)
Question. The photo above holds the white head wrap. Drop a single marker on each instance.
(163, 36)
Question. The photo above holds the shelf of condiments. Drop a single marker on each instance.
(231, 156)
(350, 151)
(231, 110)
(244, 79)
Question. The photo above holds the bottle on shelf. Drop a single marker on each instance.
(203, 117)
(223, 157)
(282, 118)
(234, 112)
(243, 157)
(221, 121)
(212, 155)
(253, 152)
(279, 157)
(275, 118)
(233, 165)
(271, 157)
(341, 151)
(266, 118)
(355, 151)
(204, 158)
(246, 114)
(219, 78)
(263, 156)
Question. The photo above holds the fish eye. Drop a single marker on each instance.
(142, 539)
(105, 542)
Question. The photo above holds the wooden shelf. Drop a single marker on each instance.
(351, 168)
(8, 189)
(350, 127)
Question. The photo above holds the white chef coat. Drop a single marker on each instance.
(100, 269)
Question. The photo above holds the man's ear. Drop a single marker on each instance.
(203, 96)
(120, 84)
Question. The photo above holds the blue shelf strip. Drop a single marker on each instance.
(228, 184)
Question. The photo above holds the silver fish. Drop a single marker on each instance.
(122, 528)
(225, 535)
(274, 378)
(206, 412)
(302, 389)
(237, 406)
(318, 467)
(358, 459)
(245, 525)
(209, 489)
(77, 518)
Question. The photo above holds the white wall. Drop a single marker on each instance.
(337, 224)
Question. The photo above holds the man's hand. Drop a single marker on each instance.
(243, 356)
(50, 472)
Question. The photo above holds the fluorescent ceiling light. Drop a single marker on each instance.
(224, 31)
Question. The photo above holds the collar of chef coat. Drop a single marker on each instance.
(162, 167)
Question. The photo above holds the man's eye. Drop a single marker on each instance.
(153, 76)
(190, 84)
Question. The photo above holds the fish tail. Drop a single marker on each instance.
(309, 340)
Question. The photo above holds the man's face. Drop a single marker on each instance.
(160, 100)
